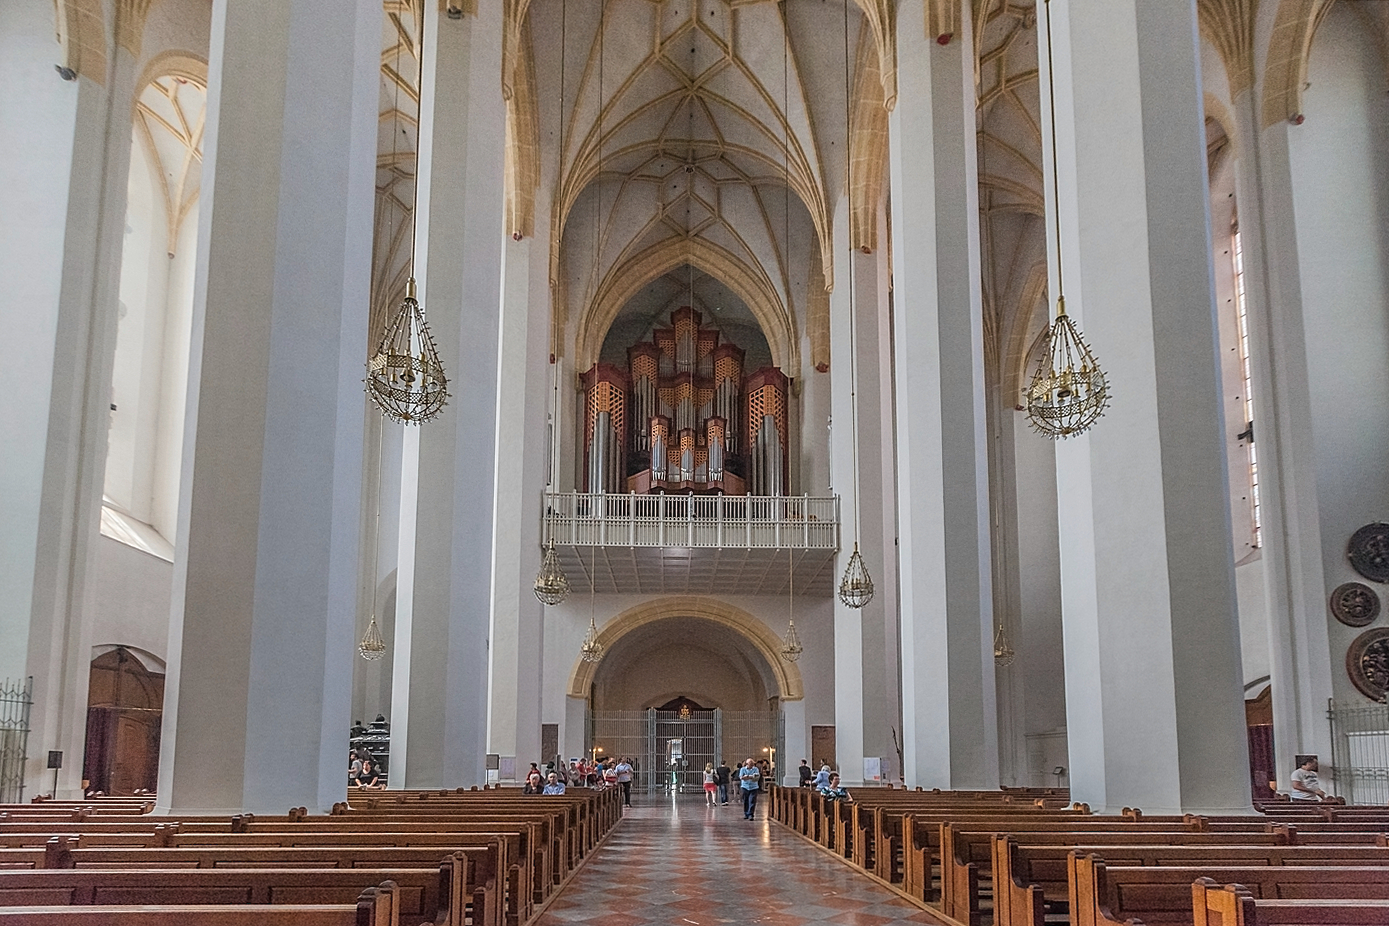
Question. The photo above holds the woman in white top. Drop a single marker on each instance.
(711, 783)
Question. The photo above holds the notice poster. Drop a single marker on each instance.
(872, 769)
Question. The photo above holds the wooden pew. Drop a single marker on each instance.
(472, 873)
(1030, 879)
(1235, 905)
(1101, 895)
(375, 906)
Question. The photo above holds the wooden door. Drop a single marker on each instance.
(822, 746)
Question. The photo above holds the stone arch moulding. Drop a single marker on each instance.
(624, 281)
(1285, 67)
(171, 63)
(787, 674)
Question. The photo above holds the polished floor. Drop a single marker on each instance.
(682, 863)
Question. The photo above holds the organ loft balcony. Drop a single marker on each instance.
(660, 544)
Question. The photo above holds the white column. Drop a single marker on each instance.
(261, 638)
(523, 390)
(950, 736)
(64, 228)
(439, 735)
(1294, 575)
(848, 622)
(1155, 714)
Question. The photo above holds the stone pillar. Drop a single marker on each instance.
(261, 638)
(64, 229)
(522, 463)
(1155, 714)
(439, 730)
(950, 735)
(1294, 575)
(848, 622)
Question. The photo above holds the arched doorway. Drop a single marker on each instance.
(125, 707)
(685, 682)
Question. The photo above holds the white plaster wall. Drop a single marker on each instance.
(131, 594)
(1339, 161)
(37, 119)
(1253, 620)
(167, 455)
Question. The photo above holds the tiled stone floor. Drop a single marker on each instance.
(681, 863)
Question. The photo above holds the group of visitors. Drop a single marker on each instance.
(612, 773)
(824, 781)
(362, 771)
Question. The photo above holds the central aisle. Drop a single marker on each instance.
(681, 863)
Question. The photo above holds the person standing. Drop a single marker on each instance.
(624, 780)
(806, 774)
(750, 779)
(1306, 785)
(711, 783)
(724, 776)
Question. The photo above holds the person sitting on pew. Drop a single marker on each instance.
(822, 777)
(1306, 786)
(833, 792)
(367, 777)
(553, 785)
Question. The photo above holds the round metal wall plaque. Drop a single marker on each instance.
(1367, 661)
(1369, 551)
(1355, 604)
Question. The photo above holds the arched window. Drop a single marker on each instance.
(150, 374)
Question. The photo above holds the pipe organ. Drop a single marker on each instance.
(683, 418)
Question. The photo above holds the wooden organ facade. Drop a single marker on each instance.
(683, 417)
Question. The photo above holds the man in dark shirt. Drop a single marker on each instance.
(724, 774)
(806, 774)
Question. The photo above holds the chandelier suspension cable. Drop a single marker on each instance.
(1055, 169)
(1068, 391)
(856, 586)
(551, 584)
(373, 645)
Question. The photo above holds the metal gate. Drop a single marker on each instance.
(1359, 753)
(15, 700)
(669, 749)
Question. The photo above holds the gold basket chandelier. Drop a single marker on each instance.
(1069, 391)
(791, 648)
(404, 377)
(551, 584)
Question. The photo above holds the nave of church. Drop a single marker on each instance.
(963, 394)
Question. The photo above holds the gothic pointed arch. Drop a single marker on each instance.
(625, 280)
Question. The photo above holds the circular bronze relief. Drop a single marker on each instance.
(1355, 604)
(1369, 551)
(1367, 661)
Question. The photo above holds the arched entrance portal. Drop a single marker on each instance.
(685, 682)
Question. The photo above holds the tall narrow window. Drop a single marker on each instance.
(1241, 309)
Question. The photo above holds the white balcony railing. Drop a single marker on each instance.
(708, 521)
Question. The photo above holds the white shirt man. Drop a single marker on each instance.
(1306, 786)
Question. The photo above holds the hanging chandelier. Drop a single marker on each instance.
(1068, 391)
(856, 588)
(591, 650)
(404, 377)
(551, 584)
(372, 646)
(1003, 653)
(791, 648)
